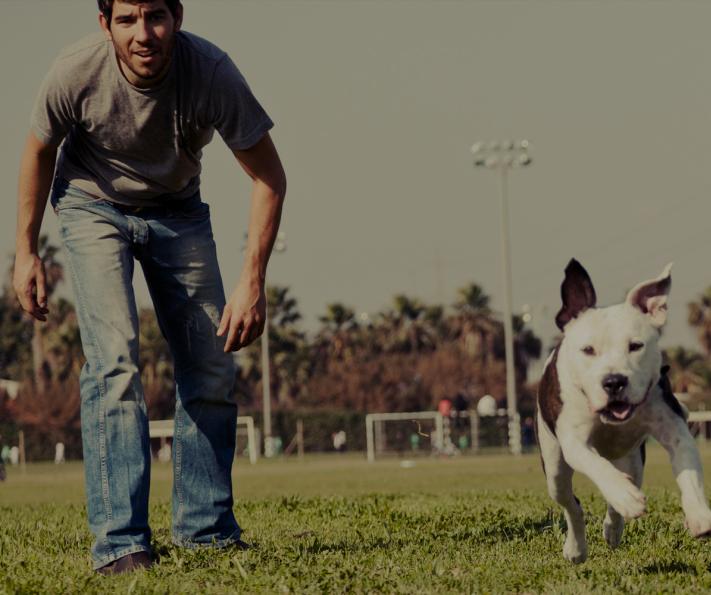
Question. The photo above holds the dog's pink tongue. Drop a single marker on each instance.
(619, 410)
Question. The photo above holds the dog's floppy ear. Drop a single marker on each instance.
(651, 297)
(577, 293)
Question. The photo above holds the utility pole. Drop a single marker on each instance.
(269, 450)
(279, 246)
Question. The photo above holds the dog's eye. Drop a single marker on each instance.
(636, 345)
(588, 350)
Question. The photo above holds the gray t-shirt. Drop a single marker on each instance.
(143, 146)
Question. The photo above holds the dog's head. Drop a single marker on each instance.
(611, 354)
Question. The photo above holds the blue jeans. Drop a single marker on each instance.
(175, 248)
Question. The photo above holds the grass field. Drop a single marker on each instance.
(335, 524)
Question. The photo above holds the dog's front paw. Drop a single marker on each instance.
(700, 526)
(626, 498)
(575, 551)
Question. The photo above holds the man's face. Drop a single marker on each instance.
(143, 34)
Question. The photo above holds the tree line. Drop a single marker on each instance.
(404, 358)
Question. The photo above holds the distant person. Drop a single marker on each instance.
(58, 453)
(460, 406)
(132, 108)
(444, 407)
(165, 453)
(3, 473)
(415, 441)
(528, 434)
(339, 441)
(15, 456)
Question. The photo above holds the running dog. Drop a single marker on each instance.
(603, 391)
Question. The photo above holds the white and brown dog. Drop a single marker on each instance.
(602, 393)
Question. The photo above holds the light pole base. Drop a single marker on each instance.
(515, 434)
(270, 447)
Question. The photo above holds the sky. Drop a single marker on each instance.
(376, 105)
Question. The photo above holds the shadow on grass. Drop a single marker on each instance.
(675, 567)
(514, 529)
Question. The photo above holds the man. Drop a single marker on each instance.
(134, 106)
(5, 452)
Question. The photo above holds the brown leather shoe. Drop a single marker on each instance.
(128, 563)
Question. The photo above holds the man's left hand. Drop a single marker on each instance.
(244, 315)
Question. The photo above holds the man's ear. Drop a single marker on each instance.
(178, 17)
(650, 297)
(577, 293)
(105, 26)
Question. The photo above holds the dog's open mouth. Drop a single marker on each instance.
(618, 411)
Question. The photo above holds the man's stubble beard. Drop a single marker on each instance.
(125, 65)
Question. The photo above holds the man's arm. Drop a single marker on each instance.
(36, 172)
(244, 315)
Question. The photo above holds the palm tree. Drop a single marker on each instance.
(688, 369)
(474, 325)
(61, 342)
(283, 308)
(156, 366)
(409, 309)
(472, 299)
(15, 338)
(54, 274)
(288, 350)
(700, 319)
(337, 317)
(527, 347)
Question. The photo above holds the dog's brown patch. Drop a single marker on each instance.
(549, 401)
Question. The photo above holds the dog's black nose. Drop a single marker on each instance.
(614, 384)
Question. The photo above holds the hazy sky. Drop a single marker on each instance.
(376, 104)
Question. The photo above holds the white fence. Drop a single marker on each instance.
(163, 428)
(702, 418)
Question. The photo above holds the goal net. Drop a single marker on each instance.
(430, 433)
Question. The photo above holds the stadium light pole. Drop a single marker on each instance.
(279, 246)
(504, 156)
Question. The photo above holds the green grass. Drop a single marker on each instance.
(335, 524)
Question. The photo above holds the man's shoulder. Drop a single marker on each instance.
(83, 57)
(202, 49)
(87, 48)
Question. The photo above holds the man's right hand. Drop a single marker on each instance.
(36, 172)
(29, 282)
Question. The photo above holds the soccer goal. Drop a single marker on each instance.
(428, 432)
(403, 432)
(246, 435)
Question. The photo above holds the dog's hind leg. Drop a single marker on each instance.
(559, 476)
(614, 524)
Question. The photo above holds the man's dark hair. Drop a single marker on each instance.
(106, 7)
